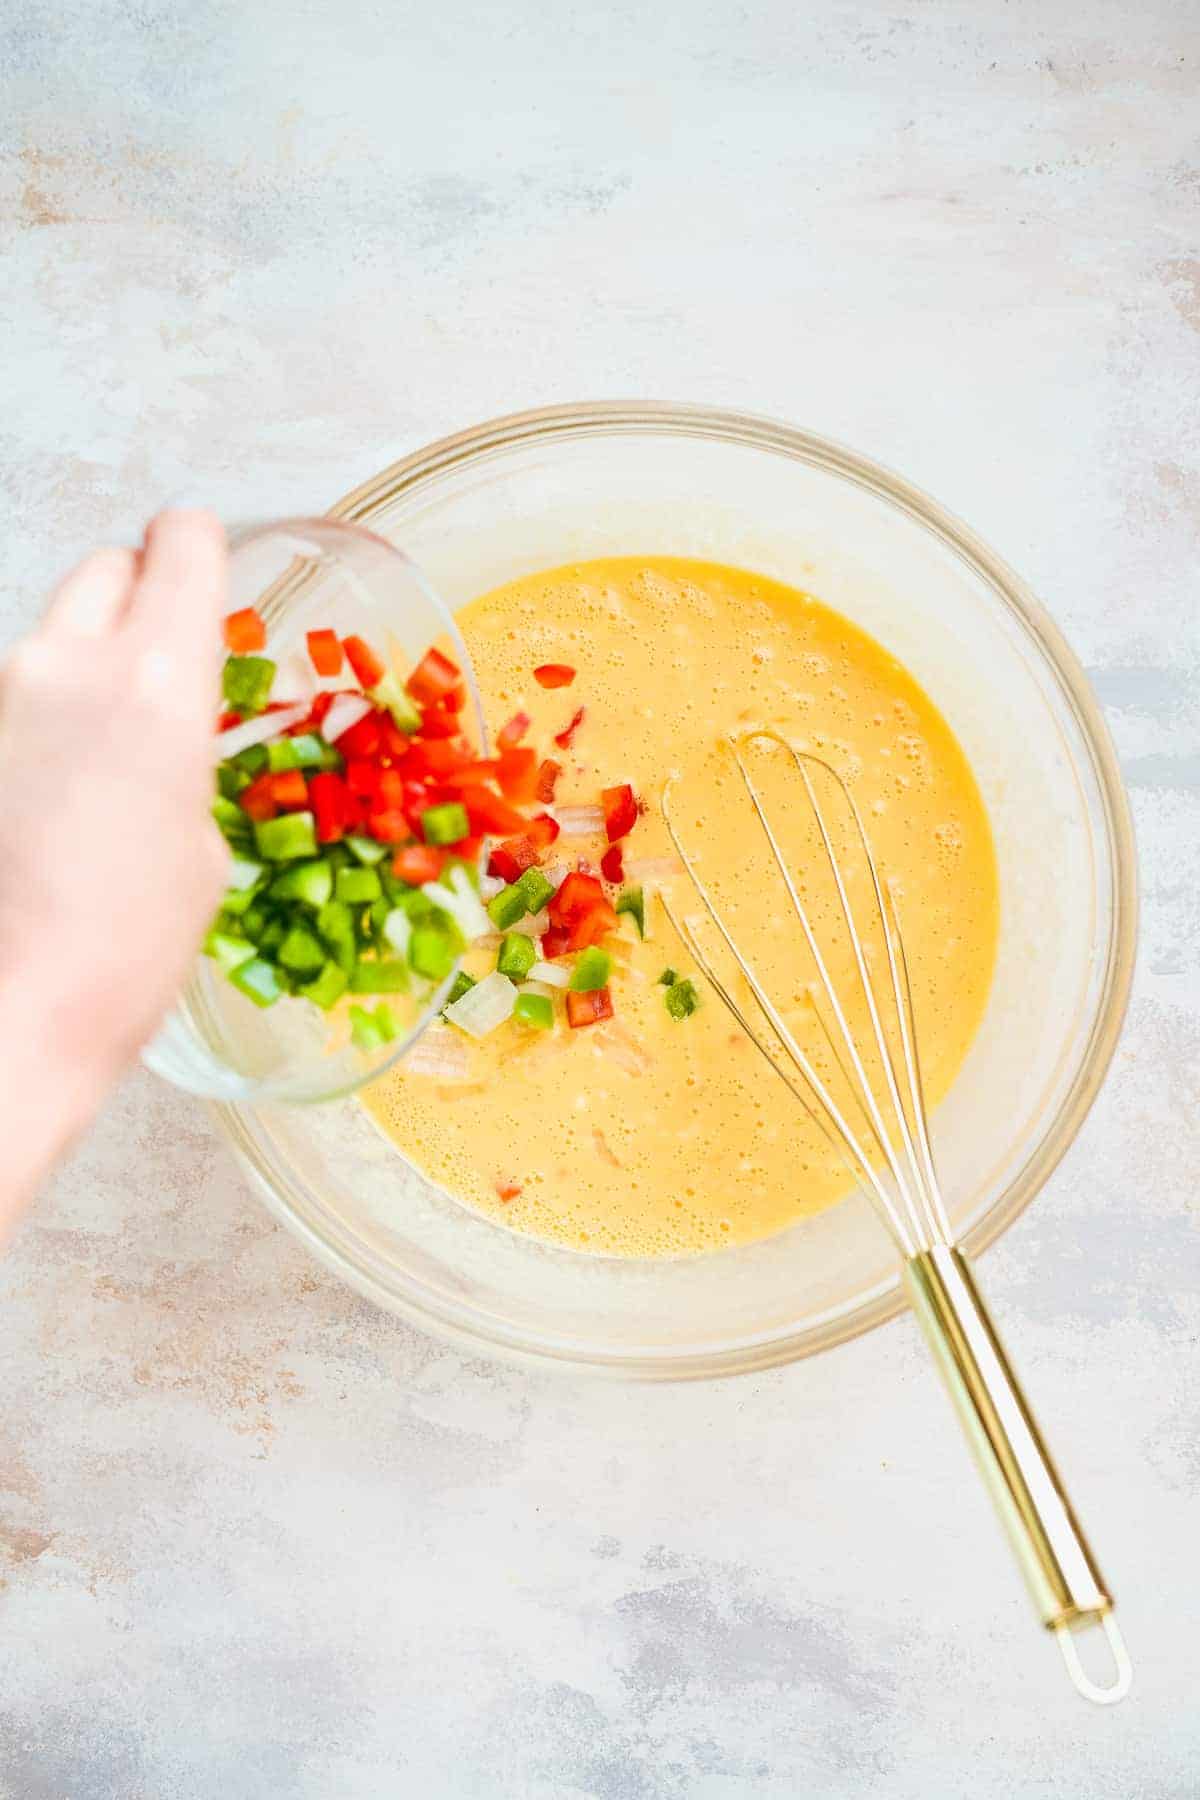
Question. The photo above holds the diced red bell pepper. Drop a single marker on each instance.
(554, 941)
(523, 851)
(554, 675)
(611, 866)
(514, 731)
(327, 795)
(440, 722)
(363, 661)
(489, 813)
(503, 864)
(476, 773)
(416, 863)
(456, 699)
(548, 775)
(438, 759)
(244, 632)
(258, 800)
(393, 744)
(325, 652)
(362, 738)
(227, 720)
(588, 1009)
(620, 811)
(543, 830)
(434, 677)
(289, 790)
(517, 774)
(581, 908)
(566, 737)
(391, 790)
(388, 825)
(362, 776)
(417, 798)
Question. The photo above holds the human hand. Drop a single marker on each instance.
(110, 865)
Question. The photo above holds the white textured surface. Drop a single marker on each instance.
(261, 1541)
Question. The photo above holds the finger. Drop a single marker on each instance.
(92, 600)
(181, 594)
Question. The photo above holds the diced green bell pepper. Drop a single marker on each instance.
(400, 704)
(258, 980)
(226, 950)
(232, 822)
(682, 999)
(387, 977)
(535, 1010)
(253, 760)
(305, 751)
(517, 956)
(357, 887)
(534, 889)
(668, 978)
(286, 838)
(372, 1030)
(432, 952)
(591, 971)
(445, 824)
(271, 936)
(255, 919)
(246, 683)
(327, 989)
(462, 984)
(240, 900)
(632, 900)
(366, 849)
(335, 925)
(301, 952)
(231, 780)
(506, 907)
(309, 882)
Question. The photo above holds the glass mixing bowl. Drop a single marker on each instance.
(567, 483)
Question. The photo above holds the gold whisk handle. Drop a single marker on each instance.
(1067, 1587)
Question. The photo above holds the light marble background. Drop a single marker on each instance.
(262, 1542)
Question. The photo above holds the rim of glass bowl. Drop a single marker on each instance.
(755, 431)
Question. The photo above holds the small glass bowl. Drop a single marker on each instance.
(307, 575)
(561, 485)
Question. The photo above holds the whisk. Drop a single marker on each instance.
(876, 1115)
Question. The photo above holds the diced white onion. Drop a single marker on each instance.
(550, 974)
(556, 874)
(456, 896)
(259, 730)
(533, 924)
(397, 929)
(621, 1047)
(440, 1053)
(295, 678)
(346, 711)
(490, 886)
(580, 821)
(242, 873)
(485, 1006)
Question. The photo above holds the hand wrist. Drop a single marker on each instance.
(52, 1078)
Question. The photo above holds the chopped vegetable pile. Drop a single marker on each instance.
(357, 811)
